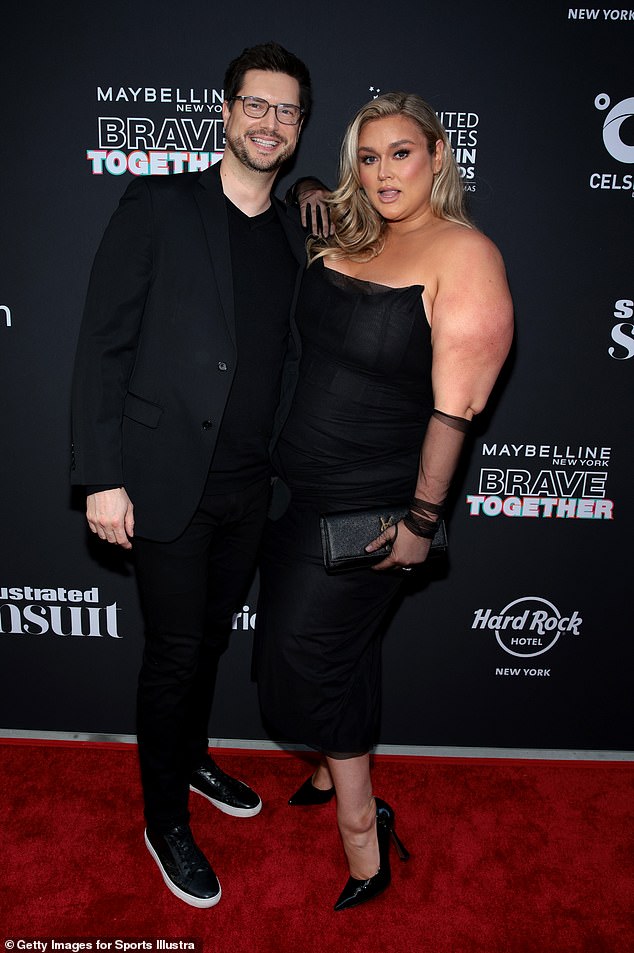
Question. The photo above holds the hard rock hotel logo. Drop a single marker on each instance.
(543, 481)
(186, 136)
(527, 628)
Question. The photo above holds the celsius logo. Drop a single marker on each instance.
(528, 626)
(619, 150)
(621, 114)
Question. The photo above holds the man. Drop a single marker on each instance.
(185, 368)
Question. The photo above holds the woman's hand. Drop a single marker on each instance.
(408, 550)
(315, 215)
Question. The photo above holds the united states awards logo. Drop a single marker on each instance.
(462, 130)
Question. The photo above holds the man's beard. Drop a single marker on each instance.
(238, 146)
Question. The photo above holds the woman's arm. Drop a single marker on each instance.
(471, 324)
(472, 328)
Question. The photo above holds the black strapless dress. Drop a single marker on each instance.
(352, 440)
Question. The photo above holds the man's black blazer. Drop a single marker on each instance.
(157, 347)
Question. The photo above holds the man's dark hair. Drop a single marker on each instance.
(275, 59)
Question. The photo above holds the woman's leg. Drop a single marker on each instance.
(356, 813)
(322, 778)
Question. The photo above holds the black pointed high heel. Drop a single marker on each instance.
(308, 794)
(360, 891)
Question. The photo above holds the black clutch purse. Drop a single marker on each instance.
(345, 535)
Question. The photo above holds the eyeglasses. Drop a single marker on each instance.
(256, 108)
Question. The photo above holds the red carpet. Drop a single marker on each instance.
(507, 857)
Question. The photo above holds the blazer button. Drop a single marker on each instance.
(207, 424)
(222, 366)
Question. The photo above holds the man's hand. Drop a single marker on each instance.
(110, 515)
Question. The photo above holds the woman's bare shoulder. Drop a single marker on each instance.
(462, 239)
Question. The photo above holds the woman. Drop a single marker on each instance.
(406, 320)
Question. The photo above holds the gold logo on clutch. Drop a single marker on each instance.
(386, 523)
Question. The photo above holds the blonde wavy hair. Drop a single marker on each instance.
(359, 228)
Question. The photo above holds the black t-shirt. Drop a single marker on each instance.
(264, 271)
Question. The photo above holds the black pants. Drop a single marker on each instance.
(189, 589)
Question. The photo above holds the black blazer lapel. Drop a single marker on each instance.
(211, 202)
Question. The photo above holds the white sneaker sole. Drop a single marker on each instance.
(201, 902)
(226, 808)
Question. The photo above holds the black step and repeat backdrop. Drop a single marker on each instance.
(525, 637)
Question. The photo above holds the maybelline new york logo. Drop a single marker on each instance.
(32, 610)
(617, 128)
(144, 145)
(572, 486)
(526, 628)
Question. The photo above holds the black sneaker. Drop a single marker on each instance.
(184, 867)
(226, 793)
